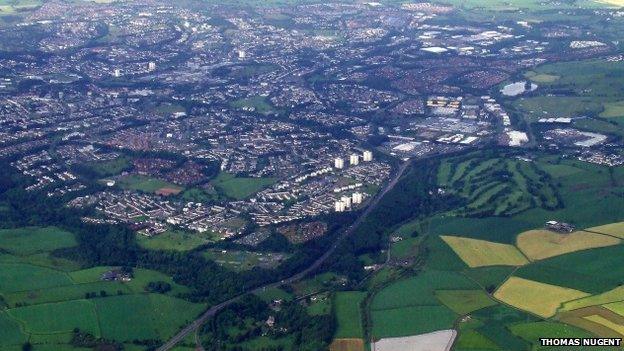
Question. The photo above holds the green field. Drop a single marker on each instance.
(176, 240)
(239, 187)
(60, 317)
(152, 316)
(32, 240)
(144, 184)
(464, 301)
(591, 88)
(533, 331)
(420, 290)
(348, 314)
(258, 103)
(411, 320)
(595, 271)
(44, 298)
(20, 277)
(111, 167)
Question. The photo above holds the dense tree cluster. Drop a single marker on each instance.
(252, 317)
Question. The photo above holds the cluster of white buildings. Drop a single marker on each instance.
(347, 202)
(354, 159)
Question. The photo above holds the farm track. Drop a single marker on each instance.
(196, 324)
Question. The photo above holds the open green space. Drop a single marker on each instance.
(594, 271)
(411, 320)
(144, 184)
(152, 316)
(31, 240)
(587, 88)
(110, 167)
(257, 104)
(176, 240)
(533, 331)
(420, 290)
(497, 186)
(589, 197)
(464, 301)
(20, 277)
(59, 317)
(240, 187)
(348, 314)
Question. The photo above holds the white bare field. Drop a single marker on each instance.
(441, 340)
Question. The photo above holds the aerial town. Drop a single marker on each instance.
(302, 116)
(226, 129)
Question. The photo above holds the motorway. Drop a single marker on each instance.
(182, 334)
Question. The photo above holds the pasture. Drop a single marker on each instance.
(464, 301)
(411, 320)
(479, 253)
(541, 244)
(19, 277)
(43, 298)
(152, 316)
(538, 298)
(32, 240)
(60, 317)
(348, 314)
(594, 271)
(420, 290)
(533, 331)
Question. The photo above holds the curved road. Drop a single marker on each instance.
(350, 230)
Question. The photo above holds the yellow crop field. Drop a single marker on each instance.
(619, 328)
(610, 296)
(535, 297)
(612, 2)
(614, 229)
(616, 307)
(540, 244)
(479, 253)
